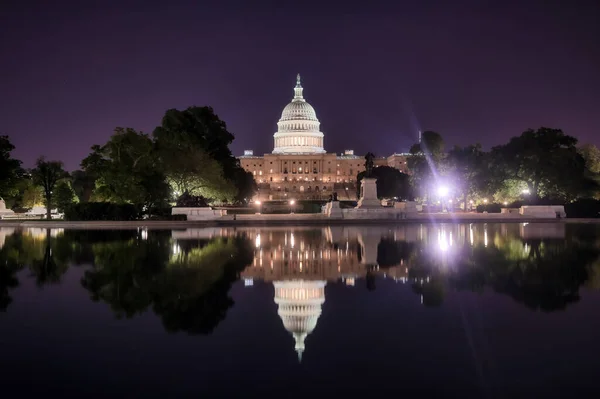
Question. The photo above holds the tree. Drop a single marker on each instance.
(591, 154)
(425, 161)
(10, 169)
(546, 160)
(47, 174)
(83, 184)
(467, 170)
(126, 170)
(391, 183)
(33, 195)
(64, 196)
(193, 145)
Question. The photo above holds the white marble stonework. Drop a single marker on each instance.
(199, 213)
(298, 128)
(3, 211)
(368, 194)
(543, 211)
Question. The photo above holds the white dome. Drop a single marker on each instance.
(298, 110)
(299, 306)
(298, 129)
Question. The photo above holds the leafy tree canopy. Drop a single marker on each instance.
(47, 174)
(546, 160)
(10, 169)
(126, 170)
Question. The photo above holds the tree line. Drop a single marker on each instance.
(187, 158)
(539, 166)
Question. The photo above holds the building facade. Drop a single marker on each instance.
(299, 167)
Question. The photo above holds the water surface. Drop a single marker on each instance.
(476, 310)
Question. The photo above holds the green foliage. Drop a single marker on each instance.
(390, 183)
(83, 184)
(32, 196)
(102, 211)
(64, 196)
(467, 171)
(47, 174)
(193, 146)
(546, 160)
(126, 170)
(10, 169)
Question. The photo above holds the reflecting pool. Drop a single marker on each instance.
(476, 310)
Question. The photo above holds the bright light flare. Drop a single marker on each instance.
(443, 191)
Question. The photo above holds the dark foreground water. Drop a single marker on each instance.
(470, 311)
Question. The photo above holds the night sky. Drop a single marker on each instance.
(376, 73)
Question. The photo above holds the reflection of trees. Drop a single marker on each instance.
(46, 267)
(46, 257)
(188, 290)
(540, 274)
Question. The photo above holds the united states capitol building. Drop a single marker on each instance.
(299, 167)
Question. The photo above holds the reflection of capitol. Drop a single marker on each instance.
(299, 262)
(299, 305)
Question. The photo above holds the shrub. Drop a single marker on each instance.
(102, 211)
(490, 208)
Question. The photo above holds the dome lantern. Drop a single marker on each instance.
(298, 128)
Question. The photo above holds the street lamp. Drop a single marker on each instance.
(292, 202)
(258, 203)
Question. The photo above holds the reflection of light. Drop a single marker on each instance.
(526, 248)
(248, 282)
(176, 249)
(292, 240)
(471, 233)
(525, 224)
(485, 237)
(257, 240)
(300, 266)
(443, 241)
(350, 281)
(144, 234)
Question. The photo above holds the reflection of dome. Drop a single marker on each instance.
(298, 128)
(299, 305)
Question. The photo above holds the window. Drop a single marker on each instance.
(271, 179)
(314, 170)
(285, 171)
(270, 170)
(300, 169)
(254, 173)
(260, 172)
(329, 170)
(302, 189)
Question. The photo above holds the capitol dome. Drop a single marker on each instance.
(298, 128)
(299, 306)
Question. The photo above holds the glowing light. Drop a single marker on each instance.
(485, 238)
(292, 202)
(292, 240)
(248, 282)
(485, 200)
(443, 191)
(443, 241)
(526, 191)
(257, 202)
(257, 241)
(505, 203)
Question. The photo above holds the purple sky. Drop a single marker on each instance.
(473, 71)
